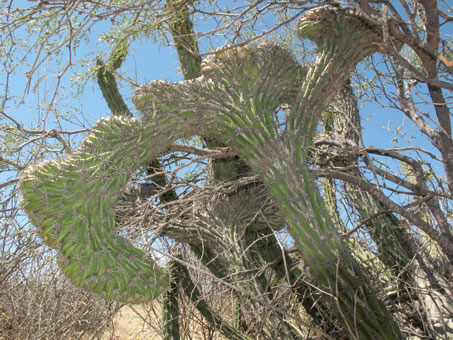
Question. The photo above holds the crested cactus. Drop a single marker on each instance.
(71, 201)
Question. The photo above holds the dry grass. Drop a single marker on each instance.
(34, 311)
(132, 324)
(52, 312)
(145, 323)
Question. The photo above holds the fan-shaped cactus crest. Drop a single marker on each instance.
(234, 100)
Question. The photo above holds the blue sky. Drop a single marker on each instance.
(148, 61)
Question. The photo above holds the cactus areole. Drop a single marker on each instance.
(71, 201)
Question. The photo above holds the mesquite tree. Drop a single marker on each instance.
(257, 109)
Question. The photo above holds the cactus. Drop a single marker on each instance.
(107, 83)
(170, 305)
(224, 170)
(181, 28)
(246, 86)
(213, 318)
(71, 201)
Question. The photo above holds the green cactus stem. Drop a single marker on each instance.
(181, 28)
(107, 83)
(213, 318)
(71, 202)
(170, 303)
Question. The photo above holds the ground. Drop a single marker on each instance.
(130, 324)
(140, 323)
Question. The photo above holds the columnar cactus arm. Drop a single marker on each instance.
(170, 303)
(213, 318)
(181, 28)
(107, 83)
(343, 39)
